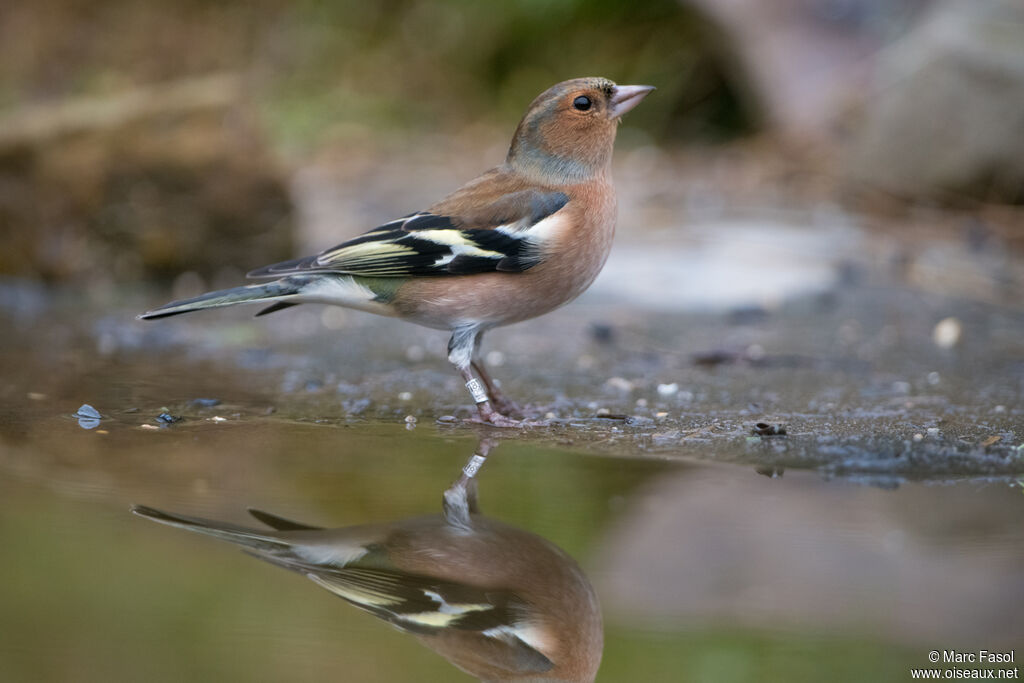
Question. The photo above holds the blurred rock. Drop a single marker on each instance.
(708, 545)
(806, 59)
(945, 116)
(159, 180)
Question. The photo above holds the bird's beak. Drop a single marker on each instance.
(625, 97)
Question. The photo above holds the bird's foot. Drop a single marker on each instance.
(496, 419)
(487, 415)
(506, 406)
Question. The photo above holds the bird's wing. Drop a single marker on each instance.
(415, 603)
(505, 234)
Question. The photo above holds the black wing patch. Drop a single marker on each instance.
(426, 244)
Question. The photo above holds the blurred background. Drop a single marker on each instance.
(821, 227)
(141, 140)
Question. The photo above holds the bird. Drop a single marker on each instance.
(498, 602)
(518, 241)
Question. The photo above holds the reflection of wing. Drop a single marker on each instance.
(506, 236)
(494, 629)
(414, 603)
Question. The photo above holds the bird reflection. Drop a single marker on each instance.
(500, 603)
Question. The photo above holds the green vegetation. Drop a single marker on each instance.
(314, 66)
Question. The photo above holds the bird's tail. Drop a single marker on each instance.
(253, 539)
(278, 292)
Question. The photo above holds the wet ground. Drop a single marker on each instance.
(879, 395)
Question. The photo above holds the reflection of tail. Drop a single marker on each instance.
(279, 290)
(250, 538)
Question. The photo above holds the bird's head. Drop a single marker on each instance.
(567, 133)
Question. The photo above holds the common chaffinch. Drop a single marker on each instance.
(498, 602)
(518, 241)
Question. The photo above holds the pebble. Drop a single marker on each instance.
(36, 396)
(667, 389)
(218, 418)
(946, 333)
(405, 396)
(447, 419)
(603, 411)
(549, 415)
(999, 409)
(88, 417)
(619, 384)
(918, 437)
(88, 411)
(147, 426)
(933, 432)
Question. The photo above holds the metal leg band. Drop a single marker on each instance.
(474, 465)
(476, 390)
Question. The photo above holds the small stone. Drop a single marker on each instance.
(549, 415)
(405, 396)
(447, 419)
(36, 396)
(765, 429)
(668, 389)
(946, 333)
(999, 409)
(933, 432)
(150, 427)
(619, 384)
(918, 437)
(218, 418)
(89, 412)
(660, 414)
(603, 411)
(88, 417)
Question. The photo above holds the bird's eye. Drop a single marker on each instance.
(582, 103)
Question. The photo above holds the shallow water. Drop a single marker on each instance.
(890, 522)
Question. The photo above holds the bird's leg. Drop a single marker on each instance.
(460, 500)
(460, 354)
(487, 413)
(498, 399)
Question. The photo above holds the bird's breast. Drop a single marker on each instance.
(574, 243)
